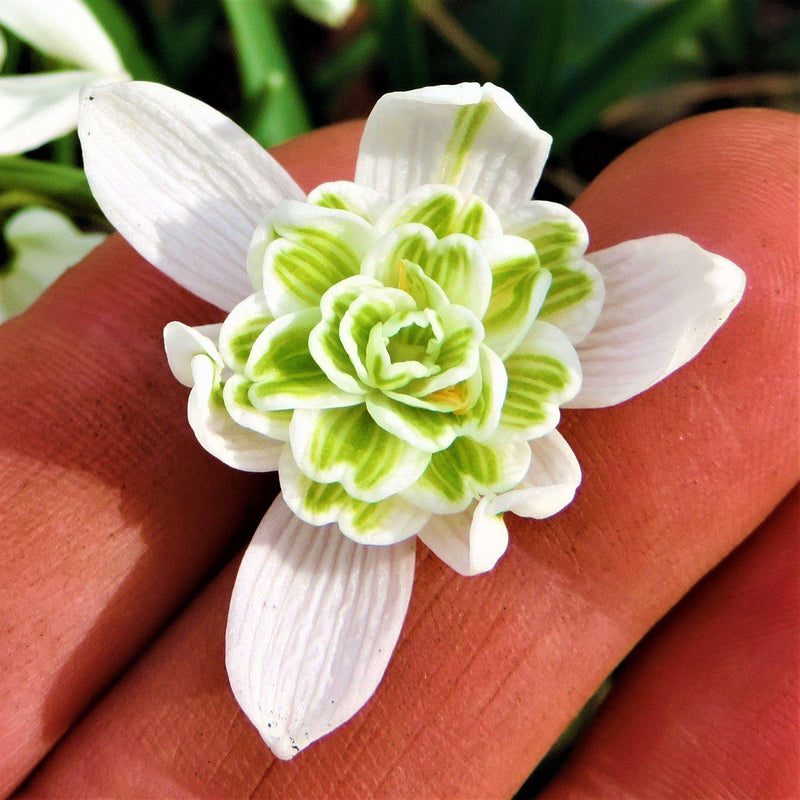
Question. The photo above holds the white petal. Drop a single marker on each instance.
(63, 29)
(470, 542)
(665, 298)
(550, 483)
(473, 137)
(333, 13)
(313, 621)
(182, 343)
(46, 243)
(39, 108)
(181, 182)
(238, 447)
(42, 244)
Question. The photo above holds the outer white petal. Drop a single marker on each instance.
(181, 182)
(550, 483)
(473, 137)
(238, 447)
(470, 542)
(63, 29)
(313, 621)
(665, 298)
(39, 108)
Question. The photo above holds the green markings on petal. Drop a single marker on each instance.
(347, 196)
(469, 121)
(241, 329)
(481, 420)
(283, 372)
(466, 471)
(236, 397)
(317, 248)
(519, 287)
(443, 210)
(346, 446)
(324, 342)
(372, 307)
(560, 239)
(543, 374)
(570, 286)
(423, 428)
(459, 265)
(459, 353)
(383, 522)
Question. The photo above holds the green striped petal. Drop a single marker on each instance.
(348, 196)
(241, 328)
(422, 428)
(371, 307)
(217, 432)
(235, 395)
(262, 236)
(324, 342)
(384, 522)
(466, 471)
(543, 373)
(346, 446)
(576, 294)
(459, 353)
(481, 420)
(283, 372)
(316, 248)
(444, 211)
(519, 287)
(476, 138)
(575, 299)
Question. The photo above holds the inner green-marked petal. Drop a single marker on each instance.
(241, 329)
(543, 373)
(283, 372)
(466, 471)
(348, 447)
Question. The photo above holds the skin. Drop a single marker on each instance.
(707, 706)
(488, 670)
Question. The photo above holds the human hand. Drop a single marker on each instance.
(488, 670)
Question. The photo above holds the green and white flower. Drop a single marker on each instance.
(397, 347)
(40, 244)
(37, 108)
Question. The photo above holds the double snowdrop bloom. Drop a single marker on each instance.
(39, 245)
(37, 108)
(397, 347)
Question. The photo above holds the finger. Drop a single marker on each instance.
(707, 706)
(489, 670)
(102, 482)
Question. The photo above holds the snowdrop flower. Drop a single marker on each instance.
(397, 347)
(35, 109)
(332, 13)
(40, 244)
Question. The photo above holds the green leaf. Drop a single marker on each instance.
(123, 34)
(625, 63)
(26, 181)
(275, 108)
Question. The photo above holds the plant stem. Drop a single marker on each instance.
(275, 109)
